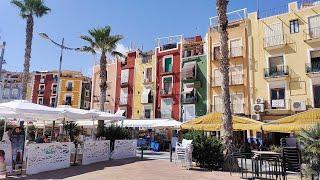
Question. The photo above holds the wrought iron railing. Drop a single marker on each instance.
(277, 71)
(312, 33)
(189, 100)
(123, 100)
(313, 67)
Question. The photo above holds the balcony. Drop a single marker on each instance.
(68, 103)
(166, 114)
(123, 101)
(41, 92)
(313, 69)
(166, 92)
(278, 104)
(312, 35)
(42, 80)
(69, 88)
(278, 72)
(276, 42)
(193, 51)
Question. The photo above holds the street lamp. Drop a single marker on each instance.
(62, 47)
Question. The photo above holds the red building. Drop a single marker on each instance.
(45, 88)
(125, 84)
(168, 57)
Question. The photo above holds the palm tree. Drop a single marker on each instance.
(221, 6)
(309, 139)
(29, 9)
(101, 41)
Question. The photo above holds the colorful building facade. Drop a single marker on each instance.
(45, 88)
(168, 81)
(238, 65)
(144, 86)
(285, 57)
(112, 69)
(70, 89)
(10, 86)
(193, 78)
(125, 84)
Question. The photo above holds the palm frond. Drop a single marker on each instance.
(88, 49)
(117, 54)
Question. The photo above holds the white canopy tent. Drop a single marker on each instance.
(75, 114)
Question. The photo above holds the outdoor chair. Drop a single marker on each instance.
(183, 153)
(292, 159)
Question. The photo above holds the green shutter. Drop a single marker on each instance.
(168, 64)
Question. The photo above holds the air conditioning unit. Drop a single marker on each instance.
(258, 107)
(256, 117)
(299, 106)
(259, 100)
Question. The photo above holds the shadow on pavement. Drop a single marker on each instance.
(81, 169)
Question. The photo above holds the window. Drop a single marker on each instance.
(294, 26)
(54, 89)
(55, 78)
(124, 76)
(277, 98)
(167, 84)
(6, 93)
(235, 48)
(148, 75)
(68, 100)
(69, 86)
(216, 53)
(40, 100)
(42, 78)
(41, 89)
(147, 113)
(86, 104)
(87, 93)
(52, 101)
(166, 107)
(168, 64)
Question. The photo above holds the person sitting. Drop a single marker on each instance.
(46, 139)
(39, 139)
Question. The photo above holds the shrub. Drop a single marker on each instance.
(207, 151)
(309, 139)
(115, 132)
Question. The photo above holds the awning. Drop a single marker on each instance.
(187, 90)
(151, 123)
(145, 95)
(213, 122)
(188, 69)
(294, 123)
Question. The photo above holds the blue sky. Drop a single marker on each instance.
(139, 21)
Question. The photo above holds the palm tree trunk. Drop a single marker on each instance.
(27, 56)
(103, 89)
(224, 69)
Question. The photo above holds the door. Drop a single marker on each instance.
(188, 112)
(273, 35)
(316, 95)
(314, 26)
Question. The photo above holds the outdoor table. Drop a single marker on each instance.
(273, 159)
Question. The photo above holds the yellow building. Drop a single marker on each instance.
(144, 86)
(112, 67)
(239, 70)
(284, 53)
(70, 88)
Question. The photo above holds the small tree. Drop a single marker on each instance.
(113, 133)
(310, 140)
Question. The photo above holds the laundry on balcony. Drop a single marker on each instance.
(145, 95)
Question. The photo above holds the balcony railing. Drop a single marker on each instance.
(313, 67)
(312, 33)
(189, 100)
(67, 103)
(278, 71)
(69, 88)
(276, 41)
(194, 51)
(165, 92)
(41, 91)
(123, 100)
(278, 104)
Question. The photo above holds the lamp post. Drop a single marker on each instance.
(62, 47)
(2, 61)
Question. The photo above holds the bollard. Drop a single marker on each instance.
(141, 152)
